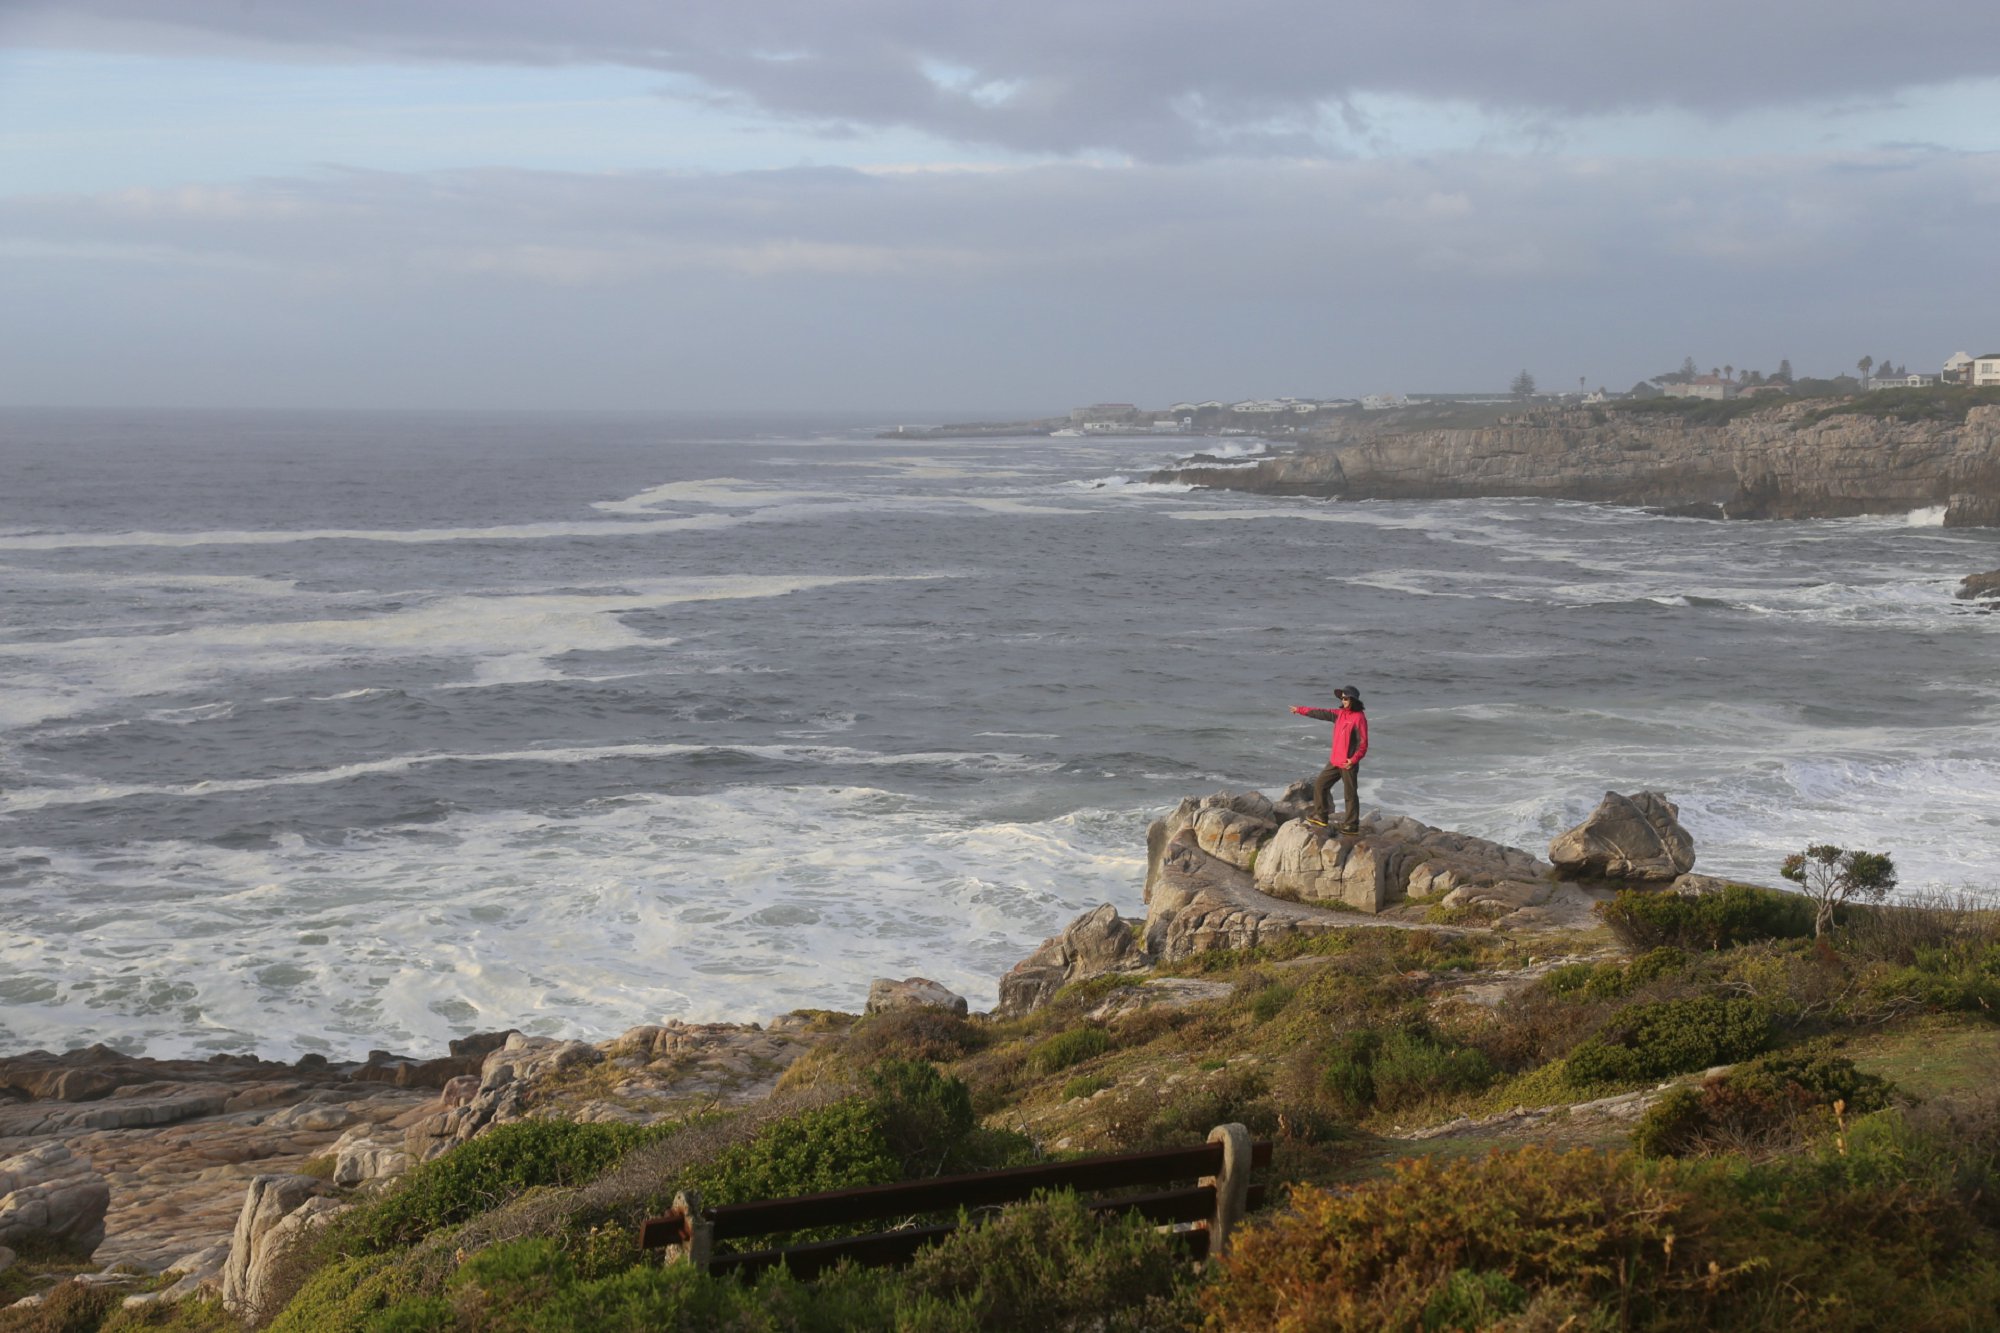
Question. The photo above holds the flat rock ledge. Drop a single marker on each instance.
(1236, 870)
(155, 1161)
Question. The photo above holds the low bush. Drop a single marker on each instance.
(487, 1171)
(1532, 1238)
(1067, 1048)
(1644, 920)
(1399, 1068)
(1046, 1266)
(70, 1307)
(1674, 1037)
(923, 1032)
(1771, 1101)
(1270, 1001)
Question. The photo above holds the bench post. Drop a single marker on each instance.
(699, 1246)
(1232, 1185)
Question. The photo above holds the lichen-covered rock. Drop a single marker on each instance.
(1636, 837)
(369, 1152)
(912, 993)
(51, 1195)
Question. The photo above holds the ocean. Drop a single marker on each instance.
(339, 731)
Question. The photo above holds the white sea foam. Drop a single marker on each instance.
(1932, 517)
(724, 907)
(503, 638)
(715, 492)
(61, 541)
(92, 794)
(1121, 484)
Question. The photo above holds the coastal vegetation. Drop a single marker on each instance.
(1694, 1115)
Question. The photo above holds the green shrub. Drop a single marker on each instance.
(343, 1297)
(1472, 1300)
(1398, 1068)
(1645, 920)
(1050, 1264)
(1942, 402)
(1657, 1040)
(1086, 1085)
(1047, 1265)
(499, 1165)
(1775, 1099)
(1068, 1048)
(1270, 1001)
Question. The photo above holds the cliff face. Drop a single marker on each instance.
(1763, 466)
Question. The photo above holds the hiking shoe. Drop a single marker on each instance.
(1349, 830)
(1314, 821)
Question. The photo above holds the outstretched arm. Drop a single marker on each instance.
(1317, 714)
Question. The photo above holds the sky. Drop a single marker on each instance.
(931, 206)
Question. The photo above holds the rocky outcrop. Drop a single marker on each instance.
(1097, 942)
(51, 1196)
(1636, 837)
(1980, 587)
(1784, 463)
(1238, 870)
(912, 993)
(277, 1213)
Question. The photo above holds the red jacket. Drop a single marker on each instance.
(1350, 733)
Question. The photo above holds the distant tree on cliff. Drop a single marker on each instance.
(1523, 386)
(1865, 364)
(1784, 370)
(1645, 389)
(1832, 876)
(1688, 370)
(1729, 372)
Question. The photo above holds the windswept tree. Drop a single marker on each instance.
(1688, 372)
(1784, 375)
(1864, 365)
(1833, 876)
(1523, 386)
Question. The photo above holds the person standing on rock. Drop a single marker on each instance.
(1350, 746)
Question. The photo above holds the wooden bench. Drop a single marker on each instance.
(1217, 1201)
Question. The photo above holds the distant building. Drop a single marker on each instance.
(1985, 370)
(1703, 386)
(1874, 382)
(1083, 416)
(1169, 427)
(1762, 390)
(1382, 402)
(1957, 369)
(1180, 408)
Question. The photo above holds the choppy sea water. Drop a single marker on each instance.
(335, 731)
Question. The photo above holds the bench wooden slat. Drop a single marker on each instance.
(979, 1189)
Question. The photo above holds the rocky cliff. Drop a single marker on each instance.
(1787, 463)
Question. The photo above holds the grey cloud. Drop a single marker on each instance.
(1160, 79)
(831, 288)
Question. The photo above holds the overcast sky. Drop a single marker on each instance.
(933, 206)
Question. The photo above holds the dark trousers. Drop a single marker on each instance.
(1350, 790)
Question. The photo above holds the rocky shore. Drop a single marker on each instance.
(1790, 462)
(202, 1170)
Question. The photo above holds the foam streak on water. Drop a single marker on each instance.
(337, 732)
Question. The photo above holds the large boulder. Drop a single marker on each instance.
(1305, 865)
(1636, 837)
(1980, 587)
(277, 1212)
(1230, 826)
(912, 993)
(1097, 942)
(51, 1195)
